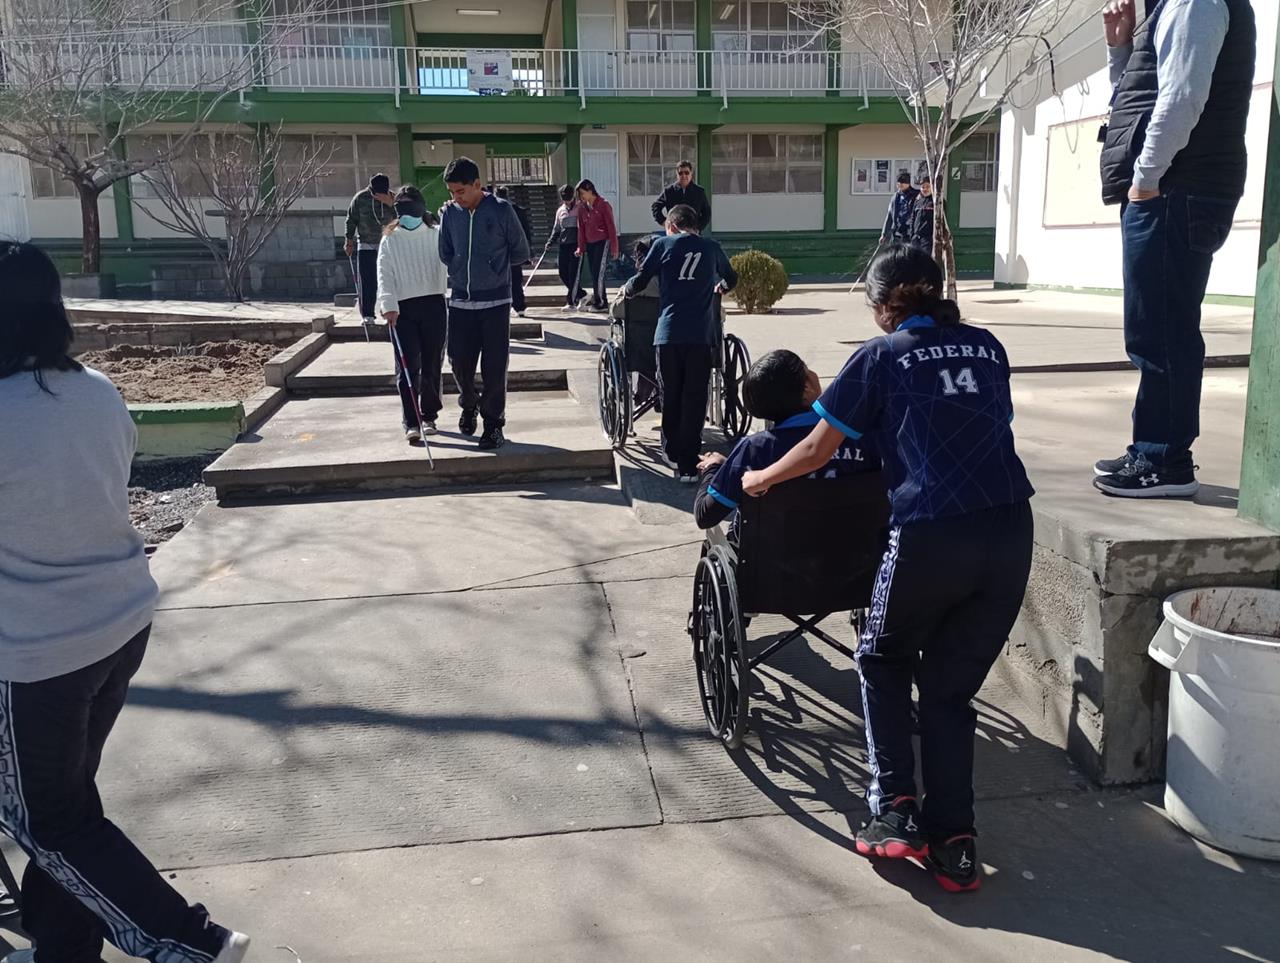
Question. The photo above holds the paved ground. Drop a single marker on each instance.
(464, 726)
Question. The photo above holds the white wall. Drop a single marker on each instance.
(978, 209)
(1029, 251)
(766, 212)
(867, 211)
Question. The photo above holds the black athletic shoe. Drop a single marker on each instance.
(894, 835)
(954, 862)
(492, 439)
(1141, 479)
(1110, 466)
(467, 423)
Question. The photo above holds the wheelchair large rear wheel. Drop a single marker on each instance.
(615, 394)
(736, 419)
(719, 654)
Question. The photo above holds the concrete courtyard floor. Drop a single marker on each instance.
(465, 726)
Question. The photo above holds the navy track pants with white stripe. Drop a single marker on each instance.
(946, 597)
(85, 880)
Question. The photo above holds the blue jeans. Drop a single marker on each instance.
(1169, 243)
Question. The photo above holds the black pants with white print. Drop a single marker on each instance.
(946, 597)
(597, 255)
(422, 329)
(85, 880)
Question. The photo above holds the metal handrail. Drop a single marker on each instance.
(545, 72)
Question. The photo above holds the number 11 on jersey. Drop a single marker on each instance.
(689, 266)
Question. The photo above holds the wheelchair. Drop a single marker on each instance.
(807, 549)
(630, 349)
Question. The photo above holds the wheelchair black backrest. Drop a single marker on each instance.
(812, 545)
(640, 326)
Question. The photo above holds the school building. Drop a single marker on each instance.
(797, 138)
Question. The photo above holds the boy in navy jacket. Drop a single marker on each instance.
(779, 388)
(691, 270)
(480, 240)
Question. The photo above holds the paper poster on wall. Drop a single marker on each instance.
(882, 173)
(489, 71)
(1073, 186)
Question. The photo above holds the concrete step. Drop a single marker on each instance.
(649, 486)
(357, 368)
(350, 329)
(326, 445)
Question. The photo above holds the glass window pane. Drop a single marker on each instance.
(682, 42)
(771, 179)
(728, 147)
(804, 180)
(682, 15)
(635, 181)
(637, 14)
(766, 147)
(657, 181)
(729, 180)
(635, 148)
(861, 177)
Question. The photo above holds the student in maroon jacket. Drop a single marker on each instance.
(597, 238)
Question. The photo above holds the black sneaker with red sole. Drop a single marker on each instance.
(954, 862)
(895, 834)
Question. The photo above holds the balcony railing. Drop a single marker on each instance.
(417, 71)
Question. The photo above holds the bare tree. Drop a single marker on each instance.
(79, 77)
(230, 192)
(953, 65)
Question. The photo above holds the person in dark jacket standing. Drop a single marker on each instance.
(369, 212)
(480, 238)
(683, 191)
(564, 236)
(897, 222)
(922, 218)
(1173, 157)
(517, 270)
(691, 270)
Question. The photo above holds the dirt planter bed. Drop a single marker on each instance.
(213, 371)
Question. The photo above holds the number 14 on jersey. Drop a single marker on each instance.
(964, 381)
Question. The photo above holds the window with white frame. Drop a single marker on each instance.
(184, 165)
(757, 25)
(355, 25)
(652, 160)
(766, 163)
(355, 158)
(48, 183)
(660, 25)
(880, 175)
(978, 170)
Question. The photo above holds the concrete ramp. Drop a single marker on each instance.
(321, 445)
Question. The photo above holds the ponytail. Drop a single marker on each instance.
(908, 281)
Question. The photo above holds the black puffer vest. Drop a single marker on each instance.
(1213, 162)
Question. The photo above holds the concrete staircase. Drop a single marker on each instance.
(338, 429)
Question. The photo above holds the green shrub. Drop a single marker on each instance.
(762, 281)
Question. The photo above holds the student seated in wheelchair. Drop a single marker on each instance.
(638, 317)
(781, 389)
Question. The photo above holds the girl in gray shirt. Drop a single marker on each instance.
(76, 600)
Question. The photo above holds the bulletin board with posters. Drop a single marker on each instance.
(1072, 184)
(489, 71)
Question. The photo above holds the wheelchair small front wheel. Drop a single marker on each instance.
(718, 648)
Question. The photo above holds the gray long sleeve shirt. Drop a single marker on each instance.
(74, 581)
(1188, 39)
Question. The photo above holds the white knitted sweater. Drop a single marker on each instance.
(409, 266)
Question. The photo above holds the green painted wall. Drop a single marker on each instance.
(446, 112)
(573, 151)
(122, 196)
(1260, 469)
(831, 178)
(404, 136)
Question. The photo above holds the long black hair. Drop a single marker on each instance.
(35, 332)
(908, 281)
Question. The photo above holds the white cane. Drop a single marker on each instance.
(408, 381)
(355, 276)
